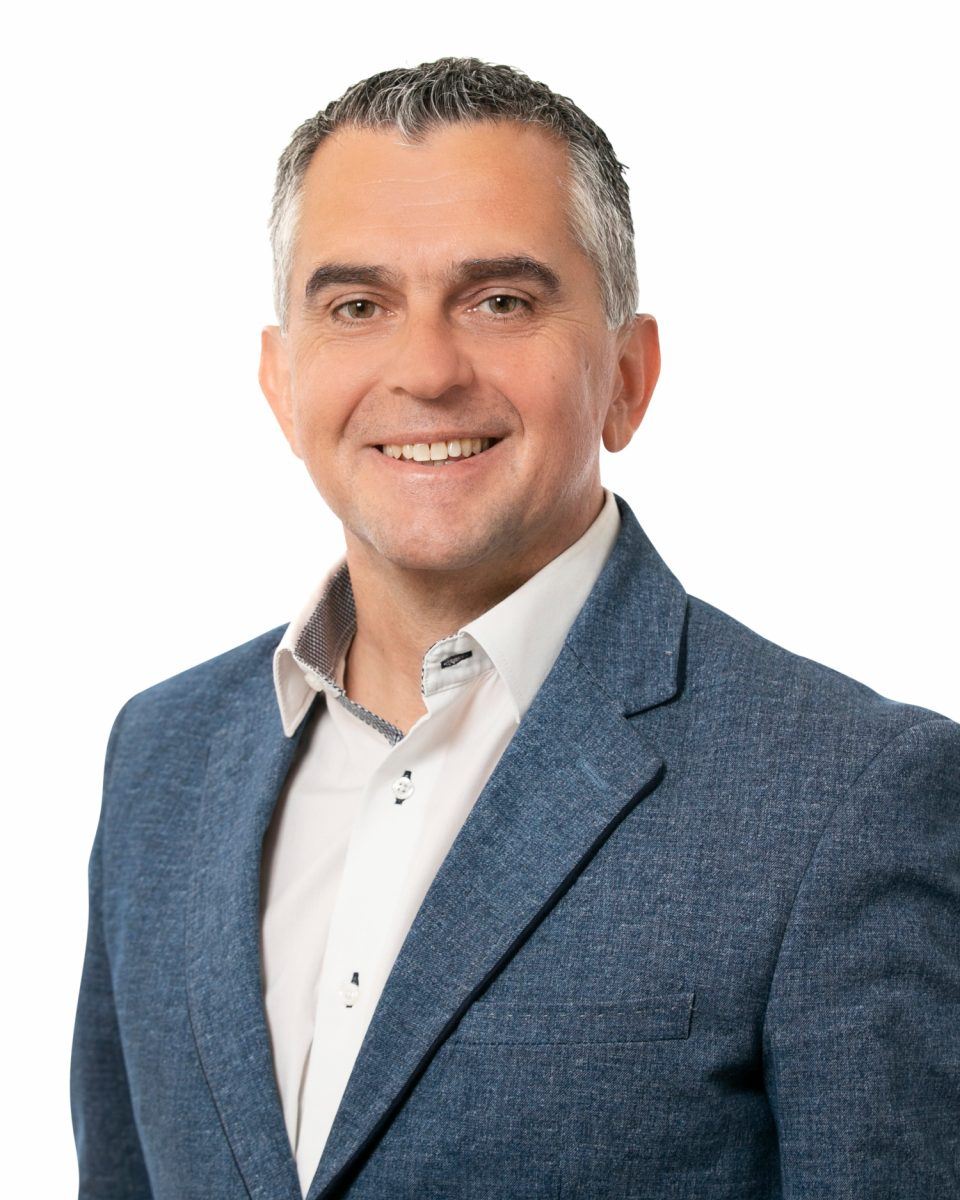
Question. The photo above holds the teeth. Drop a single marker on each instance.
(437, 452)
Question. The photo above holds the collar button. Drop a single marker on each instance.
(402, 788)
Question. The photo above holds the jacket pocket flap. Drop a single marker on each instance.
(642, 1019)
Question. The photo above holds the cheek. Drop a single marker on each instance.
(324, 400)
(557, 408)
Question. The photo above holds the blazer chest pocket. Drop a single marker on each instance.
(642, 1019)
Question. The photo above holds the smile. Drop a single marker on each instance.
(439, 453)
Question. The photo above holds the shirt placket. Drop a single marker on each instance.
(382, 847)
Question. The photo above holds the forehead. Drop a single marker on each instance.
(474, 189)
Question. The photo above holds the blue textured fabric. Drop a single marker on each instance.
(699, 937)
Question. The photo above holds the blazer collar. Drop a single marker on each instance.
(248, 761)
(629, 633)
(575, 767)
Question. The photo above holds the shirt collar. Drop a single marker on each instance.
(521, 635)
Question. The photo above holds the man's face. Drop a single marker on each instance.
(436, 295)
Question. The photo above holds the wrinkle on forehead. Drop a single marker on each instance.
(412, 179)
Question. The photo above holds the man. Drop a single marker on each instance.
(506, 868)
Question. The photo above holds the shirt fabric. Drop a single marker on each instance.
(367, 814)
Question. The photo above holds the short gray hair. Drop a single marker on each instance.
(416, 100)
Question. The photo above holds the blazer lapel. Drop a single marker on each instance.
(248, 763)
(575, 767)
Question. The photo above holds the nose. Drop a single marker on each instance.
(427, 360)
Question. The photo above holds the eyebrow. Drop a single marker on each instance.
(470, 270)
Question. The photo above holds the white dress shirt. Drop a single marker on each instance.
(367, 814)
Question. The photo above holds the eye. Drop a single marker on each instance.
(354, 310)
(505, 305)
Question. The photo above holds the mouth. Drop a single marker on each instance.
(440, 453)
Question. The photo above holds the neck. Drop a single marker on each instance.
(402, 612)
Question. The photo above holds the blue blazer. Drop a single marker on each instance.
(698, 938)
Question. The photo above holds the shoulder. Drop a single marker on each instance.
(177, 715)
(786, 716)
(204, 685)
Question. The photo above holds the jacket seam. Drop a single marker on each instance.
(841, 802)
(105, 819)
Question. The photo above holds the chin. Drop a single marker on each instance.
(420, 547)
(437, 556)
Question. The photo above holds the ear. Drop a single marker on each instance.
(275, 382)
(639, 369)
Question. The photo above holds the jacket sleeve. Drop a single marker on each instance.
(862, 1030)
(108, 1148)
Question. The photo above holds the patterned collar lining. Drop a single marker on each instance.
(324, 639)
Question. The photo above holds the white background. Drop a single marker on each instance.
(793, 173)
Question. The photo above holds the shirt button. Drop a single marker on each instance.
(402, 788)
(350, 992)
